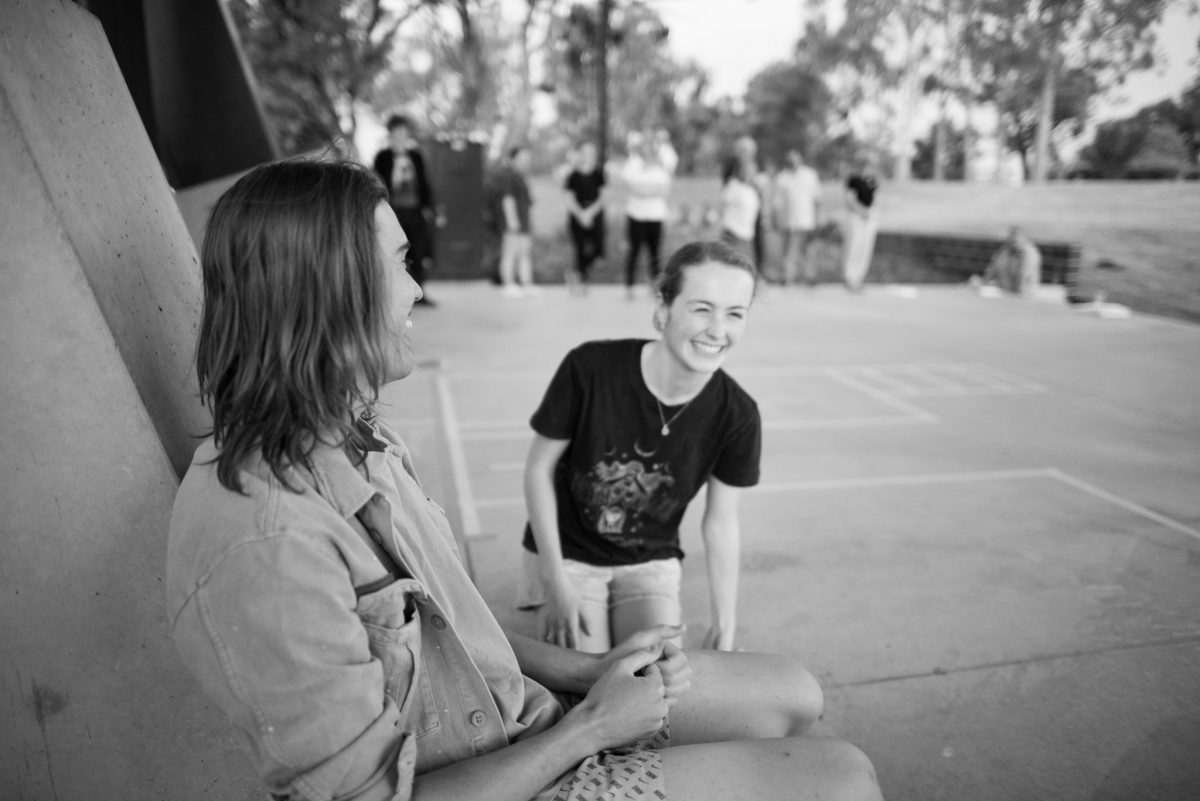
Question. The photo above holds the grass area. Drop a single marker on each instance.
(1141, 240)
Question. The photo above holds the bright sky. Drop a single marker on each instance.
(734, 39)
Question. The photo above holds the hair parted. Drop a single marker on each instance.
(670, 280)
(291, 343)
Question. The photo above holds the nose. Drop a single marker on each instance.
(716, 327)
(419, 293)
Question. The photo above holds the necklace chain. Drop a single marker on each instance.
(666, 424)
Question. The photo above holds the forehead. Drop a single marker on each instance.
(387, 228)
(717, 283)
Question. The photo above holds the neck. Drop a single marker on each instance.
(666, 379)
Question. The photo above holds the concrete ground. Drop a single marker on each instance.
(978, 524)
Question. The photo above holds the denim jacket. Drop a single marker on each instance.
(337, 693)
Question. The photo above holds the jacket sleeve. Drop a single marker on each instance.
(273, 635)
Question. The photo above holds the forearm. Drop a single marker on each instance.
(554, 667)
(514, 773)
(543, 520)
(722, 541)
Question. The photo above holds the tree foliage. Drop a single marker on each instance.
(647, 85)
(789, 106)
(1025, 48)
(316, 60)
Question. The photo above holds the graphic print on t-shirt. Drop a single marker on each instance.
(617, 495)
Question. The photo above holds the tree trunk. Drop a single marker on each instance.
(1041, 168)
(518, 131)
(468, 102)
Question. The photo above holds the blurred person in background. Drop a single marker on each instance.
(647, 184)
(861, 225)
(401, 167)
(738, 206)
(796, 213)
(516, 244)
(584, 187)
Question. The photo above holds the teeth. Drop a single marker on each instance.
(704, 347)
(408, 323)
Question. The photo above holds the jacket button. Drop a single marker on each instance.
(478, 718)
(438, 622)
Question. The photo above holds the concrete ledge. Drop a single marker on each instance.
(919, 257)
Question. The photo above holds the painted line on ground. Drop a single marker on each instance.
(1052, 473)
(883, 397)
(458, 461)
(906, 480)
(1125, 503)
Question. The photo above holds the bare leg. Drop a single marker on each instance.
(630, 617)
(598, 639)
(789, 768)
(508, 259)
(736, 696)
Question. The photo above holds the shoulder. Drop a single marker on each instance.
(607, 350)
(212, 526)
(737, 400)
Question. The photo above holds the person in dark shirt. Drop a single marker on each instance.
(401, 167)
(626, 435)
(861, 226)
(585, 212)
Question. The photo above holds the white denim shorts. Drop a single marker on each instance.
(605, 587)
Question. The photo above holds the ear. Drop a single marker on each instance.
(659, 320)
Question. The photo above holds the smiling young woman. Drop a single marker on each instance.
(627, 434)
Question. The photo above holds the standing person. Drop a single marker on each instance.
(585, 211)
(797, 210)
(401, 167)
(745, 150)
(861, 226)
(738, 206)
(626, 434)
(318, 597)
(648, 186)
(516, 244)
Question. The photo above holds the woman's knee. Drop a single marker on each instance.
(852, 773)
(806, 701)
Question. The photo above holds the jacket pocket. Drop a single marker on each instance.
(393, 624)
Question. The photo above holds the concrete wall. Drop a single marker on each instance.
(74, 114)
(97, 319)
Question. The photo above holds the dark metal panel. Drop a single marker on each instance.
(456, 173)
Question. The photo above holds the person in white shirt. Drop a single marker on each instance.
(647, 185)
(739, 207)
(797, 200)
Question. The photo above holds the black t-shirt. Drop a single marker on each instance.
(511, 182)
(585, 186)
(864, 187)
(621, 486)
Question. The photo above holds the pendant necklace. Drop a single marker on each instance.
(666, 424)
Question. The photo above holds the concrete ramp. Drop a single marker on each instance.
(98, 311)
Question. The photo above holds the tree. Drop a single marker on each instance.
(787, 106)
(1043, 40)
(316, 61)
(645, 82)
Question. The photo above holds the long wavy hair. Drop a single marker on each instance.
(291, 345)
